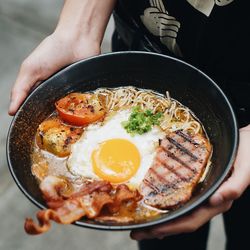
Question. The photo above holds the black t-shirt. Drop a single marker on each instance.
(213, 35)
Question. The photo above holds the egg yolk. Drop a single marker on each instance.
(116, 160)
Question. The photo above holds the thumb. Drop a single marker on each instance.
(232, 188)
(25, 81)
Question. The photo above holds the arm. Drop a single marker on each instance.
(220, 202)
(78, 35)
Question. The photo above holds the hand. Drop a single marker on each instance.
(54, 53)
(78, 35)
(220, 201)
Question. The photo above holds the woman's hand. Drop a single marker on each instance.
(78, 35)
(54, 53)
(220, 201)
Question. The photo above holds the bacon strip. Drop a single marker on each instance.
(69, 212)
(123, 194)
(89, 202)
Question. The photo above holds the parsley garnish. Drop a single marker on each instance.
(140, 121)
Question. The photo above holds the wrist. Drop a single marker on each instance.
(79, 47)
(247, 128)
(77, 35)
(85, 20)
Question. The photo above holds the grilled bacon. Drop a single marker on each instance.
(88, 202)
(178, 165)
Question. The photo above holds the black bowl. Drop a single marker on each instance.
(144, 70)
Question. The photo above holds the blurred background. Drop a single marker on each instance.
(23, 24)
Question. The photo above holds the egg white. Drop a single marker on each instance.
(79, 162)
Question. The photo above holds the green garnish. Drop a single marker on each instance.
(140, 121)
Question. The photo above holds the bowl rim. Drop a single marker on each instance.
(145, 224)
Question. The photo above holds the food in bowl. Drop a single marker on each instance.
(116, 156)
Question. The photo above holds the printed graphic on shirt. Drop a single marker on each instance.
(161, 24)
(157, 20)
(206, 6)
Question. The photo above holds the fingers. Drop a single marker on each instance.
(52, 54)
(240, 179)
(231, 189)
(26, 79)
(186, 224)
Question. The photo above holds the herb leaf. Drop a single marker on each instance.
(140, 121)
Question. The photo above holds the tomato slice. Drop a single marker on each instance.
(80, 109)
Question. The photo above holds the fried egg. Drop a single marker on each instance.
(106, 151)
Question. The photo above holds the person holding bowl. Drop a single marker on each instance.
(211, 35)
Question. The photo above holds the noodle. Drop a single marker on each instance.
(175, 116)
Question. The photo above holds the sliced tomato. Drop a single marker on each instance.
(80, 109)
